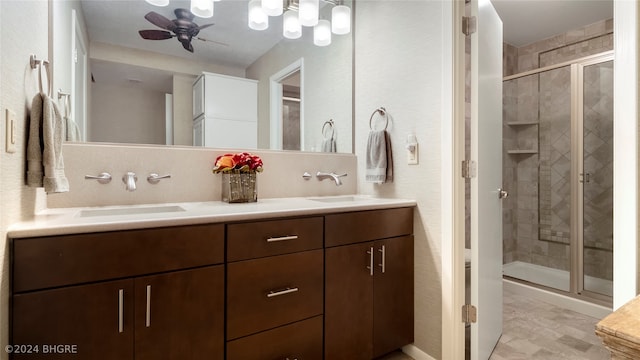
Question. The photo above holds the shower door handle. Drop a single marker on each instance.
(585, 177)
(502, 193)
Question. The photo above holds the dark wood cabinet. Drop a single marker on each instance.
(369, 288)
(97, 319)
(335, 286)
(180, 315)
(177, 314)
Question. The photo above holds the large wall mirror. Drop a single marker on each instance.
(127, 89)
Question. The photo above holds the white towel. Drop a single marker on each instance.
(45, 166)
(379, 158)
(329, 145)
(73, 131)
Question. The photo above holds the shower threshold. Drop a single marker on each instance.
(553, 278)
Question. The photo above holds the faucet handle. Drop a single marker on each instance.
(154, 178)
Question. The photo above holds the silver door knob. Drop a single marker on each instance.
(502, 193)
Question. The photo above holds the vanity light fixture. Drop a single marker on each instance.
(202, 8)
(258, 19)
(199, 8)
(298, 13)
(158, 2)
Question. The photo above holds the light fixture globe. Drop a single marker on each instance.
(341, 20)
(258, 20)
(272, 7)
(158, 2)
(202, 8)
(322, 33)
(291, 28)
(308, 11)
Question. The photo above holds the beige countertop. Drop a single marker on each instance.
(110, 218)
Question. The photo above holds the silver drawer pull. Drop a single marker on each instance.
(274, 293)
(120, 310)
(383, 264)
(370, 267)
(148, 315)
(282, 238)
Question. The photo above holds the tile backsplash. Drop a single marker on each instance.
(191, 177)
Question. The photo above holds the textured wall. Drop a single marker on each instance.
(17, 87)
(399, 62)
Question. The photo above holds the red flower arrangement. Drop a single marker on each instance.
(243, 162)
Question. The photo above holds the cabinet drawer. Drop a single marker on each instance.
(46, 262)
(349, 228)
(273, 291)
(300, 340)
(274, 237)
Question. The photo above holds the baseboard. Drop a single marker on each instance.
(416, 353)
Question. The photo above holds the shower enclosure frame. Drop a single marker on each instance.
(577, 175)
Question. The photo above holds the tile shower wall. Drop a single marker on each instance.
(536, 215)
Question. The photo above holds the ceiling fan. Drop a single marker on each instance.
(183, 28)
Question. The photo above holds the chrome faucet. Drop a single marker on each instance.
(332, 175)
(129, 179)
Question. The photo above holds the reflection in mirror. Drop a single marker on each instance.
(140, 91)
(291, 104)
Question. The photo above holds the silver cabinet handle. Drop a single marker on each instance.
(370, 267)
(103, 178)
(282, 238)
(120, 310)
(383, 264)
(148, 317)
(502, 193)
(154, 178)
(274, 293)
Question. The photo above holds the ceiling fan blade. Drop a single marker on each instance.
(159, 20)
(211, 41)
(187, 45)
(205, 26)
(155, 34)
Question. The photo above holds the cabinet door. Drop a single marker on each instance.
(393, 294)
(180, 315)
(348, 302)
(198, 132)
(198, 97)
(97, 319)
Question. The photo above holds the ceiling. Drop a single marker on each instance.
(527, 21)
(118, 21)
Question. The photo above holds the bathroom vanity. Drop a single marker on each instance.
(327, 281)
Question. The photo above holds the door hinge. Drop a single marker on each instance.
(468, 169)
(469, 314)
(469, 25)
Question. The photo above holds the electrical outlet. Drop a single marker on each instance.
(10, 131)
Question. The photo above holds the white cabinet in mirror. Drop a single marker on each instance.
(128, 89)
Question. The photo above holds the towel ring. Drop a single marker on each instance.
(383, 112)
(324, 126)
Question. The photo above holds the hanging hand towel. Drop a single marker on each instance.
(329, 145)
(45, 166)
(379, 158)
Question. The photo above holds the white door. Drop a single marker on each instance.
(486, 151)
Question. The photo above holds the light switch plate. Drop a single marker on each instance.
(412, 156)
(10, 131)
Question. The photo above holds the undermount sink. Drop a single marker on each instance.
(335, 199)
(130, 211)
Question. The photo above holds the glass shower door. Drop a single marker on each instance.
(596, 178)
